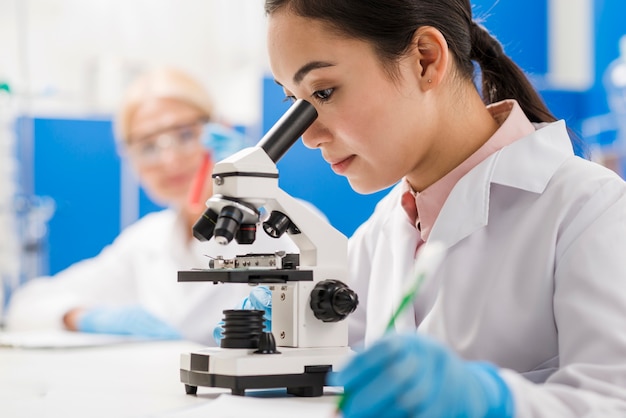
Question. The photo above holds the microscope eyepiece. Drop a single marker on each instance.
(288, 129)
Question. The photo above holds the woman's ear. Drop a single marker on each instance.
(432, 56)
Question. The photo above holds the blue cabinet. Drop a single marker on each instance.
(75, 163)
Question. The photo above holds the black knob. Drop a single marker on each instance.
(267, 344)
(333, 301)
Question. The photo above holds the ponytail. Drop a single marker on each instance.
(502, 78)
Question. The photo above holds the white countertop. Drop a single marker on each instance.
(131, 379)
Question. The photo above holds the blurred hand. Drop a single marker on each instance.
(409, 375)
(260, 298)
(223, 141)
(126, 320)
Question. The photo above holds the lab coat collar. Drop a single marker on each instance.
(527, 164)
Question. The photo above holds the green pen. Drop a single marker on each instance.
(428, 260)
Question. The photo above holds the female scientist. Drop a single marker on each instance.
(526, 315)
(131, 286)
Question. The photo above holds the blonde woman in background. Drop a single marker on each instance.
(131, 286)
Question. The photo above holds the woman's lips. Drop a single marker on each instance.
(341, 166)
(177, 180)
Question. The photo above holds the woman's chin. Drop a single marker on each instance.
(363, 187)
(167, 200)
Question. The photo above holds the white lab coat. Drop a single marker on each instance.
(140, 267)
(534, 279)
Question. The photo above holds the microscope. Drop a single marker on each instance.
(310, 300)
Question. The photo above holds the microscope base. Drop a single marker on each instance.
(302, 371)
(304, 385)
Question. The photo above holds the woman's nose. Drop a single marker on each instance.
(315, 136)
(170, 156)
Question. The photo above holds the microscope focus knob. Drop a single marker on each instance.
(333, 301)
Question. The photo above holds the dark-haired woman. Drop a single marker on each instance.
(526, 317)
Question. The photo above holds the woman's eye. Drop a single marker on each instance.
(186, 135)
(289, 99)
(147, 147)
(323, 95)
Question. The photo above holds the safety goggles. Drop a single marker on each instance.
(149, 150)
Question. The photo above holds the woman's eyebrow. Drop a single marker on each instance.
(305, 69)
(308, 67)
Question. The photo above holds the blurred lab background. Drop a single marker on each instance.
(65, 194)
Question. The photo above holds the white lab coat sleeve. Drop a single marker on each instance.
(589, 308)
(359, 270)
(533, 400)
(361, 248)
(104, 279)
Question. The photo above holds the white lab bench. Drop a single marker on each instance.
(137, 379)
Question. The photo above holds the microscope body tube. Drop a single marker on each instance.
(288, 129)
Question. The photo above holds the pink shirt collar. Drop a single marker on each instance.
(513, 125)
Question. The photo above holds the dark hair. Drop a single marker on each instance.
(389, 26)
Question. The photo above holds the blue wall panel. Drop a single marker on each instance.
(521, 27)
(76, 164)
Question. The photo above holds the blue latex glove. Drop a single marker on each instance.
(409, 375)
(223, 141)
(126, 320)
(260, 298)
